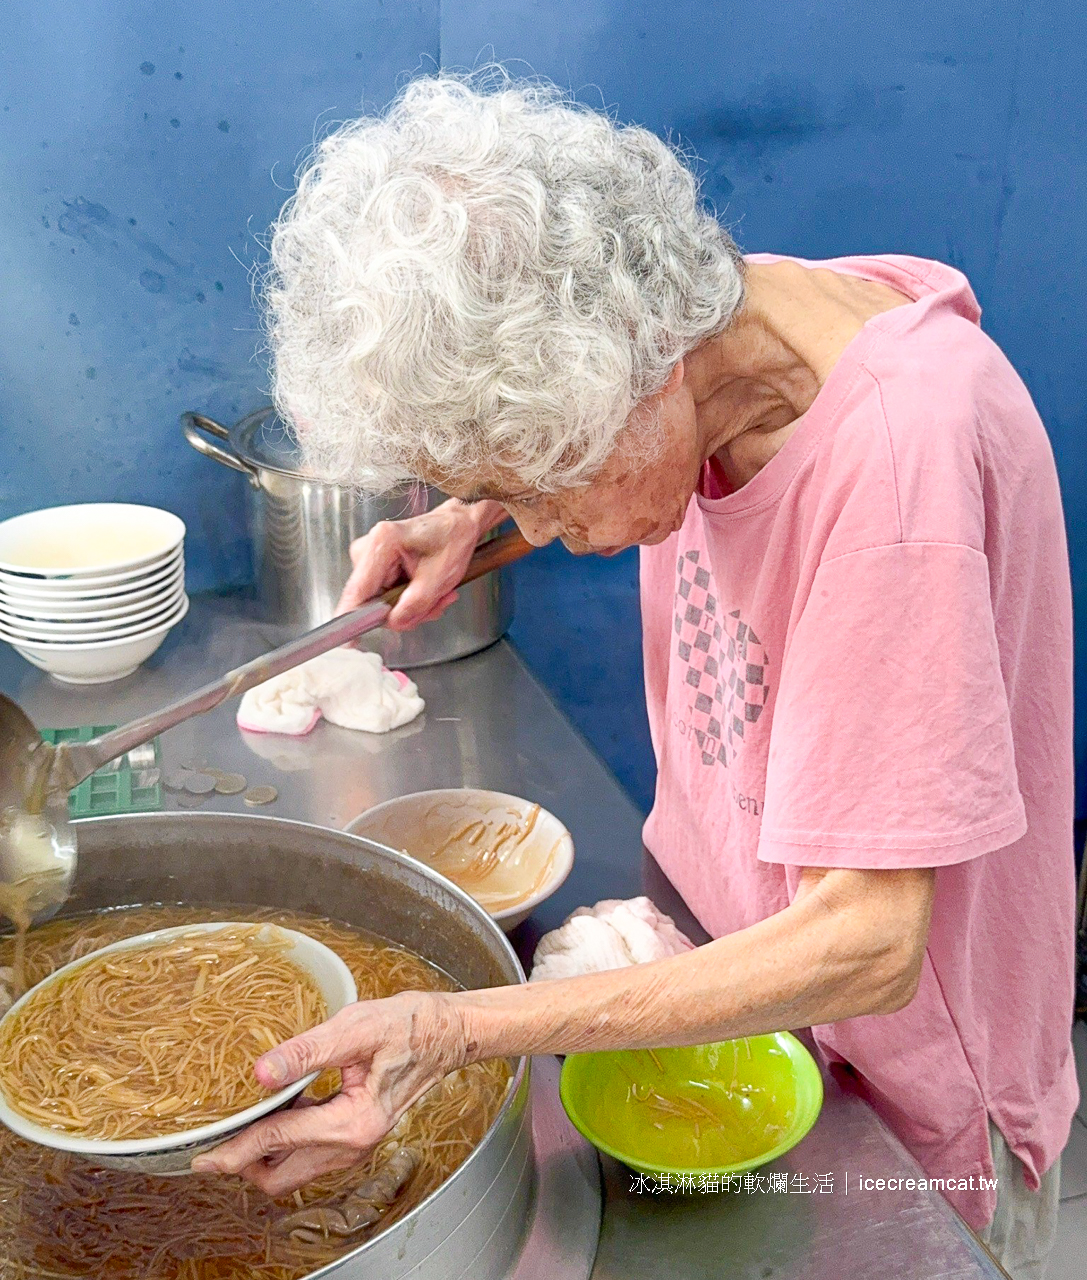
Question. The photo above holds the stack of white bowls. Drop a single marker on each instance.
(89, 592)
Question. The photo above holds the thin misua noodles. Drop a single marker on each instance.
(158, 1039)
(61, 1218)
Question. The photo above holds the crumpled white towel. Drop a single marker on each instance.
(611, 935)
(347, 687)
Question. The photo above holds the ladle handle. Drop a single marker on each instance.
(78, 760)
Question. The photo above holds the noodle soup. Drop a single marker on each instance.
(60, 1217)
(159, 1039)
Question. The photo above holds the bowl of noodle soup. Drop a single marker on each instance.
(140, 1055)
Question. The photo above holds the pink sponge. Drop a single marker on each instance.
(293, 733)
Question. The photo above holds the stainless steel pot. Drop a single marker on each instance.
(474, 1224)
(302, 529)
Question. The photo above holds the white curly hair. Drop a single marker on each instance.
(487, 277)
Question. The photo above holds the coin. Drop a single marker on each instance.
(188, 801)
(175, 780)
(260, 795)
(199, 784)
(230, 784)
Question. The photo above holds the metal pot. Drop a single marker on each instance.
(302, 529)
(475, 1223)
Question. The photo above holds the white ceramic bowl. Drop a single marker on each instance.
(98, 661)
(173, 1154)
(89, 626)
(421, 823)
(90, 539)
(66, 590)
(94, 581)
(108, 629)
(73, 603)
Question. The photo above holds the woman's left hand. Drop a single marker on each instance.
(390, 1053)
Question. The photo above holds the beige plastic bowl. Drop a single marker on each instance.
(439, 828)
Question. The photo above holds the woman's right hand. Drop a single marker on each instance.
(432, 550)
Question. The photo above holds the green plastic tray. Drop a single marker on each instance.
(109, 791)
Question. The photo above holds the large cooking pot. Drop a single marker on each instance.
(302, 529)
(474, 1224)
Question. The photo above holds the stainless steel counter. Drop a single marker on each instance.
(489, 723)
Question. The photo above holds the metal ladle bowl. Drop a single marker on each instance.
(37, 841)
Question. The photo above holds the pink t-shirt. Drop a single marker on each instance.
(862, 658)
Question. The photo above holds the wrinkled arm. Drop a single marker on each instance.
(851, 943)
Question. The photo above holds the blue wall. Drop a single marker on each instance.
(137, 145)
(143, 147)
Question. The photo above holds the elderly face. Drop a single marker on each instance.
(628, 502)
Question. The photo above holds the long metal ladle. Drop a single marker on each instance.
(37, 841)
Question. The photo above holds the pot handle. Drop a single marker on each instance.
(192, 424)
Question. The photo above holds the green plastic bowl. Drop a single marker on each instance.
(720, 1108)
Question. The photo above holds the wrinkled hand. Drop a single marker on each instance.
(390, 1052)
(432, 550)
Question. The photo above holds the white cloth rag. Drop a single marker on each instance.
(347, 687)
(611, 935)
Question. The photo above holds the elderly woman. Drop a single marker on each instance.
(855, 604)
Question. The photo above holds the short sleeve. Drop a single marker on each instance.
(891, 742)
